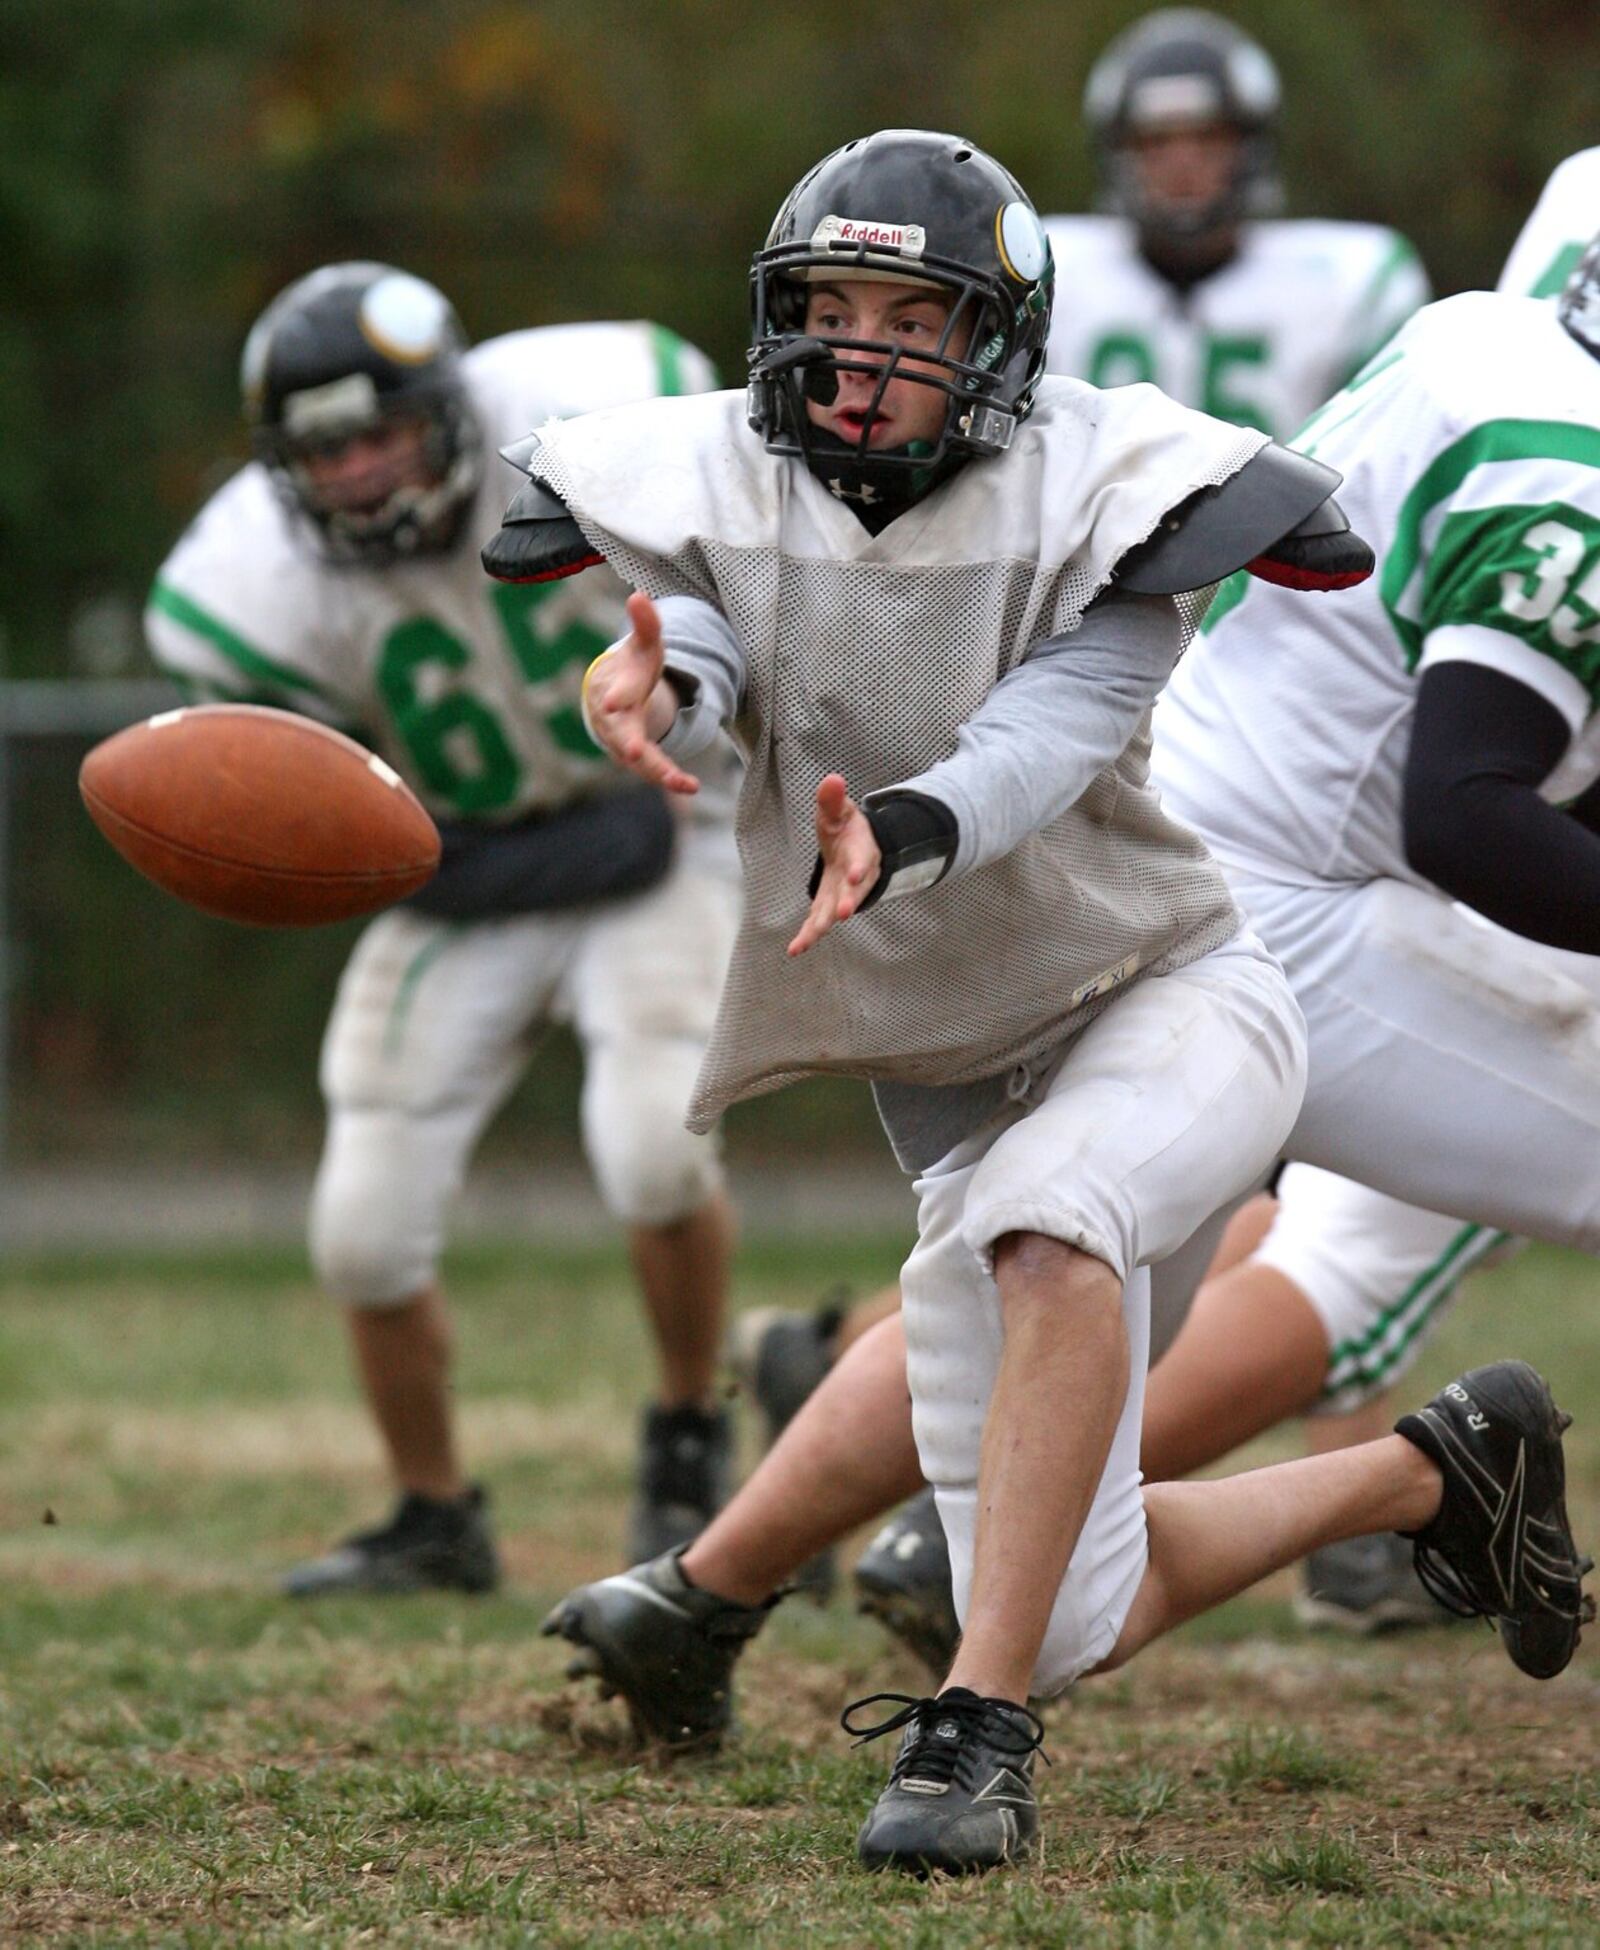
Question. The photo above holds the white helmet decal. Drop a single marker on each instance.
(405, 319)
(1020, 236)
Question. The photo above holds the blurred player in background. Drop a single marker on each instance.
(338, 575)
(1190, 279)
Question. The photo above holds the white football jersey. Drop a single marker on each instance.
(467, 686)
(1559, 228)
(1261, 342)
(1470, 450)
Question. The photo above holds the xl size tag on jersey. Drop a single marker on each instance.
(855, 233)
(1104, 983)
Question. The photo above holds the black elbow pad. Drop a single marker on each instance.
(538, 540)
(1276, 517)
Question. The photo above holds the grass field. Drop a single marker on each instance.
(185, 1758)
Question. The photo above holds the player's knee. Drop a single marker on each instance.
(649, 1168)
(375, 1230)
(361, 1263)
(653, 1184)
(1085, 1633)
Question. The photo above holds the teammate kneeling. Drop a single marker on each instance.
(928, 578)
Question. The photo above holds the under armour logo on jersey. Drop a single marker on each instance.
(866, 492)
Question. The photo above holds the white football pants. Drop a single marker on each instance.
(1380, 1275)
(1168, 1107)
(434, 1022)
(1452, 1065)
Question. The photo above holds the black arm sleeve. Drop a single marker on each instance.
(1473, 820)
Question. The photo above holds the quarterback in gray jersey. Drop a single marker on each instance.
(338, 575)
(1187, 276)
(918, 572)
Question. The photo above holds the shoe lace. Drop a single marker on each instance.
(1444, 1586)
(991, 1722)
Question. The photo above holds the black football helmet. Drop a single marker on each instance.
(342, 350)
(1578, 307)
(905, 206)
(1176, 67)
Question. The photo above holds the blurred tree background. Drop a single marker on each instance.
(167, 165)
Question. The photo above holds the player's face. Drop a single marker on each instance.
(1188, 166)
(911, 316)
(357, 475)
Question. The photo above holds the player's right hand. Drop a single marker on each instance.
(627, 705)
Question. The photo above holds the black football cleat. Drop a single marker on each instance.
(427, 1545)
(666, 1646)
(1501, 1546)
(960, 1796)
(903, 1580)
(1364, 1586)
(682, 1478)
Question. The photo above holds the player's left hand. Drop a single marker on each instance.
(850, 863)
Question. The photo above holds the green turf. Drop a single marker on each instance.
(185, 1758)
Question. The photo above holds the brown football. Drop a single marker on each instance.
(259, 815)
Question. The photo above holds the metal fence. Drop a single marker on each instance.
(85, 709)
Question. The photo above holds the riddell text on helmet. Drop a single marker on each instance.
(909, 239)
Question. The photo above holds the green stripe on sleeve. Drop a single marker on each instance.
(668, 349)
(1557, 271)
(1495, 440)
(255, 664)
(1401, 256)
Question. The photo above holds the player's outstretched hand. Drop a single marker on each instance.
(850, 863)
(629, 708)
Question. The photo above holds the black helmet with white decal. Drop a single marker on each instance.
(346, 349)
(917, 207)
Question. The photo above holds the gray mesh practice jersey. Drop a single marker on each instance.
(866, 655)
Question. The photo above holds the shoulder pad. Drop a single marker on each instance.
(538, 540)
(1252, 521)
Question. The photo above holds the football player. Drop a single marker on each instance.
(924, 574)
(338, 574)
(1354, 1282)
(1189, 278)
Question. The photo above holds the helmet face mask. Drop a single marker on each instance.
(914, 209)
(1182, 70)
(341, 356)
